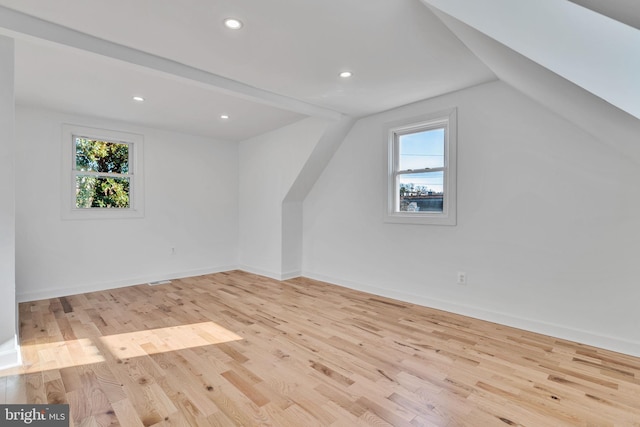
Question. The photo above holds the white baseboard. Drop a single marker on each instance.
(10, 357)
(617, 344)
(290, 275)
(271, 274)
(59, 292)
(102, 286)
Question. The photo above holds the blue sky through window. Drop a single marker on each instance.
(421, 150)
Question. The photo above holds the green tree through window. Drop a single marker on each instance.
(102, 173)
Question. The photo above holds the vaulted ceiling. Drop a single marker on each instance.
(591, 50)
(92, 56)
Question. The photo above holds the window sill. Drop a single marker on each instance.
(102, 213)
(420, 219)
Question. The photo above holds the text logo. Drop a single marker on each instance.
(34, 415)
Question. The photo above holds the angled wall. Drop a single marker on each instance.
(292, 205)
(269, 164)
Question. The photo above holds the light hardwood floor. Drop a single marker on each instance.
(235, 349)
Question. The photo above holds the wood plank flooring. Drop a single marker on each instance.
(236, 349)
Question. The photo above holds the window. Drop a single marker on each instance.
(422, 170)
(102, 174)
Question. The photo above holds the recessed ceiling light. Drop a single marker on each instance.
(233, 23)
(138, 98)
(346, 74)
(224, 116)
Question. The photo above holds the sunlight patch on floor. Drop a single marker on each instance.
(63, 354)
(142, 343)
(56, 355)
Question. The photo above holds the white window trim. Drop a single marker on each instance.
(448, 216)
(136, 189)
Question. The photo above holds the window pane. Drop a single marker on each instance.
(421, 192)
(101, 156)
(101, 192)
(421, 150)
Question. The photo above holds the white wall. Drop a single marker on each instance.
(191, 204)
(292, 206)
(269, 165)
(548, 223)
(8, 344)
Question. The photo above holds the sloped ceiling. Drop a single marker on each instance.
(580, 103)
(591, 50)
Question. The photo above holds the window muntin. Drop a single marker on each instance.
(422, 168)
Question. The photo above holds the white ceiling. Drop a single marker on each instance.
(282, 66)
(66, 79)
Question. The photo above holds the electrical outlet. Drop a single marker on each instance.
(462, 278)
